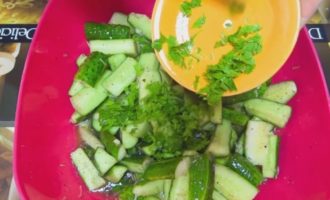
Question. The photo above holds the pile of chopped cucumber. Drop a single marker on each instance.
(145, 137)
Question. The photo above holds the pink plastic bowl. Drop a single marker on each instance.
(44, 136)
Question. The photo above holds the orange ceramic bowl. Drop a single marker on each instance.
(279, 20)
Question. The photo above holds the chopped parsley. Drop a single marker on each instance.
(158, 44)
(187, 6)
(199, 22)
(246, 43)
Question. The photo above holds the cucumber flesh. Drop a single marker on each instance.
(116, 173)
(120, 18)
(112, 145)
(183, 167)
(270, 168)
(76, 118)
(81, 59)
(256, 141)
(246, 169)
(149, 188)
(217, 113)
(200, 178)
(141, 23)
(87, 170)
(128, 140)
(220, 144)
(103, 160)
(232, 185)
(122, 46)
(87, 99)
(138, 164)
(76, 86)
(240, 145)
(89, 138)
(167, 189)
(121, 78)
(281, 92)
(275, 113)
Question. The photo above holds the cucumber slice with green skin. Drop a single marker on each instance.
(148, 198)
(99, 83)
(89, 138)
(235, 117)
(281, 92)
(270, 167)
(116, 173)
(220, 144)
(95, 122)
(255, 93)
(141, 23)
(216, 116)
(136, 164)
(120, 18)
(116, 60)
(149, 188)
(103, 160)
(112, 145)
(217, 196)
(111, 47)
(98, 31)
(87, 170)
(200, 178)
(76, 86)
(164, 169)
(150, 73)
(275, 113)
(120, 79)
(167, 189)
(87, 99)
(246, 169)
(240, 145)
(128, 140)
(81, 59)
(256, 141)
(92, 68)
(232, 185)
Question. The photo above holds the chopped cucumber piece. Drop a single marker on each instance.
(217, 113)
(76, 86)
(89, 138)
(142, 23)
(167, 189)
(150, 73)
(120, 18)
(232, 185)
(92, 69)
(149, 188)
(128, 140)
(164, 169)
(116, 173)
(240, 145)
(220, 144)
(121, 78)
(200, 178)
(136, 164)
(143, 44)
(95, 122)
(98, 31)
(87, 170)
(81, 59)
(122, 46)
(113, 145)
(235, 117)
(233, 139)
(103, 160)
(270, 168)
(183, 167)
(281, 92)
(256, 141)
(116, 60)
(246, 169)
(275, 113)
(87, 99)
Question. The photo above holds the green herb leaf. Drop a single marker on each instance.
(186, 6)
(199, 22)
(196, 82)
(158, 44)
